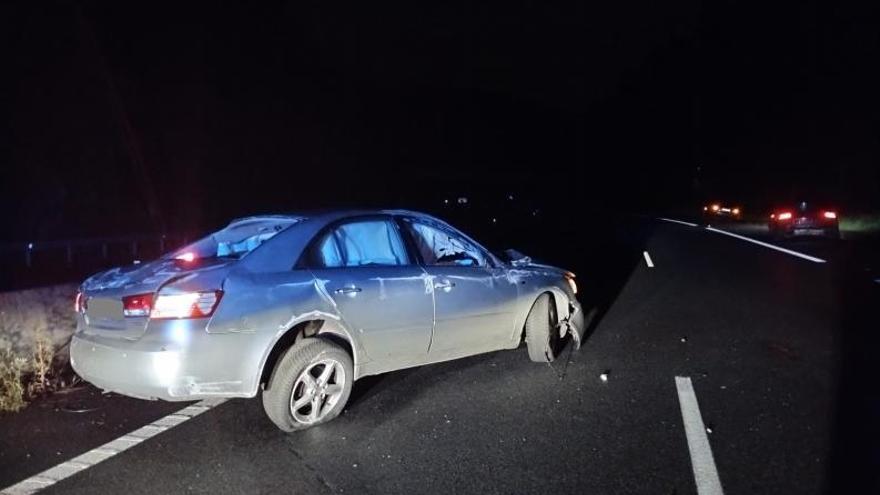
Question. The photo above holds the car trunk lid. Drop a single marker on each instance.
(104, 292)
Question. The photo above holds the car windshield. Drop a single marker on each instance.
(238, 239)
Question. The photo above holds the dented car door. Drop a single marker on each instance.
(381, 296)
(473, 300)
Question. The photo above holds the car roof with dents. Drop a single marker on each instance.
(332, 215)
(284, 250)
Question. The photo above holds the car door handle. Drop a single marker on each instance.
(347, 290)
(445, 285)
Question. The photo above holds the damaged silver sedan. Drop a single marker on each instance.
(299, 307)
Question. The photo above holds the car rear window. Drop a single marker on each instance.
(239, 238)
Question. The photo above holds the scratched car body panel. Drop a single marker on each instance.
(394, 288)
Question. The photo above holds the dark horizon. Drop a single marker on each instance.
(130, 120)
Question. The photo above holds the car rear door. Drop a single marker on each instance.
(379, 291)
(473, 300)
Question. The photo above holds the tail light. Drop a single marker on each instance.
(171, 306)
(137, 305)
(735, 211)
(716, 207)
(785, 215)
(188, 257)
(186, 305)
(829, 214)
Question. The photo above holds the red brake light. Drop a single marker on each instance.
(186, 305)
(188, 256)
(785, 215)
(829, 214)
(169, 306)
(137, 305)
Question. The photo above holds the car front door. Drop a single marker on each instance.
(378, 290)
(473, 300)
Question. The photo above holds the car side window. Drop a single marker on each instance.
(439, 247)
(367, 243)
(328, 251)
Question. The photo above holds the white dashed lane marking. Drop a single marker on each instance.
(648, 260)
(702, 461)
(69, 468)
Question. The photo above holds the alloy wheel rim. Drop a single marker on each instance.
(317, 391)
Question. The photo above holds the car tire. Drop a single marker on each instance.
(289, 383)
(542, 334)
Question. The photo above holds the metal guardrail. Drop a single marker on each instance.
(73, 247)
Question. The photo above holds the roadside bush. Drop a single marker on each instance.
(861, 224)
(11, 389)
(35, 329)
(41, 365)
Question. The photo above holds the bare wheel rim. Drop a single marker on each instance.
(317, 390)
(552, 321)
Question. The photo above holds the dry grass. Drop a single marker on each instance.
(35, 327)
(11, 388)
(860, 223)
(41, 365)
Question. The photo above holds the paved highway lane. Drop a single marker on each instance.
(756, 330)
(68, 424)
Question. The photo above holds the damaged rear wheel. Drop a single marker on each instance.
(541, 328)
(310, 385)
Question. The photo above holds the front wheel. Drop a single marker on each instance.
(310, 385)
(542, 334)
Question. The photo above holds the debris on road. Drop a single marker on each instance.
(78, 407)
(604, 376)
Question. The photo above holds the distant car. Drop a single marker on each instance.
(722, 210)
(804, 219)
(301, 306)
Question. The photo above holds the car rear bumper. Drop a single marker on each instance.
(805, 229)
(172, 363)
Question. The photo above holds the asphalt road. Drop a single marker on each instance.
(778, 348)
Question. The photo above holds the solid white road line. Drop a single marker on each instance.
(677, 221)
(702, 462)
(767, 245)
(648, 260)
(69, 468)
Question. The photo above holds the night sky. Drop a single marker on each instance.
(122, 119)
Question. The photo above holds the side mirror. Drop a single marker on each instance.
(516, 258)
(524, 261)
